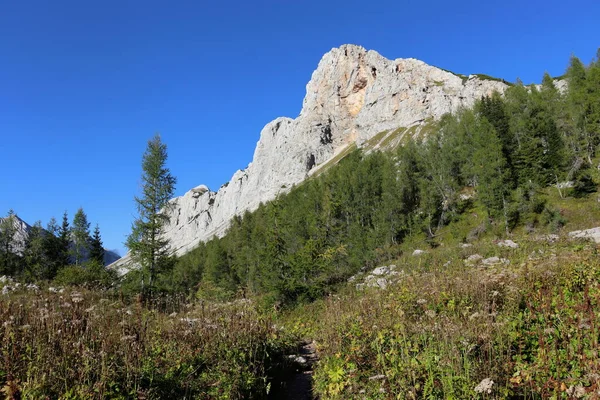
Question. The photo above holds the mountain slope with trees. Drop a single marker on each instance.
(502, 153)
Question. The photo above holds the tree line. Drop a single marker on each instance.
(44, 252)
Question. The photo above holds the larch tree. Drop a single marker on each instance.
(147, 244)
(80, 236)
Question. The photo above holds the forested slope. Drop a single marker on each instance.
(500, 153)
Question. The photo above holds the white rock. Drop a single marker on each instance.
(550, 238)
(591, 234)
(384, 270)
(508, 243)
(418, 252)
(473, 259)
(565, 185)
(465, 245)
(353, 95)
(495, 261)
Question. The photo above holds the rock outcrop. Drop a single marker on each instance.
(353, 96)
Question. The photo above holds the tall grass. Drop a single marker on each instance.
(88, 345)
(447, 330)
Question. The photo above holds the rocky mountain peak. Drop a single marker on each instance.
(353, 97)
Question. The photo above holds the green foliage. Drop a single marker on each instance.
(91, 274)
(357, 210)
(96, 249)
(442, 331)
(36, 262)
(80, 235)
(147, 246)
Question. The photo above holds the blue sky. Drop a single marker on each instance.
(84, 85)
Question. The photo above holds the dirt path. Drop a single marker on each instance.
(298, 382)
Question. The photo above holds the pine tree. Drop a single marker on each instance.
(96, 249)
(64, 242)
(146, 241)
(81, 237)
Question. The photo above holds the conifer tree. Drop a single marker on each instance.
(81, 237)
(492, 174)
(146, 242)
(35, 258)
(96, 249)
(64, 242)
(52, 249)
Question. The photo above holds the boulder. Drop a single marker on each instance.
(590, 234)
(494, 261)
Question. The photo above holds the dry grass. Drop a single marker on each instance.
(88, 345)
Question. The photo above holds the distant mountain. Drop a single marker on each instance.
(22, 230)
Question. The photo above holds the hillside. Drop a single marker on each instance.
(352, 97)
(455, 258)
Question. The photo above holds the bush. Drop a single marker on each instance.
(91, 274)
(583, 184)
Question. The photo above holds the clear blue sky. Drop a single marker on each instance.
(85, 84)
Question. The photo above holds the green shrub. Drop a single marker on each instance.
(91, 274)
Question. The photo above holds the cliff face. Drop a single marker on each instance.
(353, 96)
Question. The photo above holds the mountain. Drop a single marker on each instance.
(22, 230)
(355, 98)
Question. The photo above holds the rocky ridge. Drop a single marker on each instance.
(353, 96)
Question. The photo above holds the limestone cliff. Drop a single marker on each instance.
(353, 96)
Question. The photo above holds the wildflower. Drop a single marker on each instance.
(421, 301)
(430, 313)
(44, 313)
(473, 316)
(585, 325)
(53, 289)
(76, 297)
(576, 391)
(485, 386)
